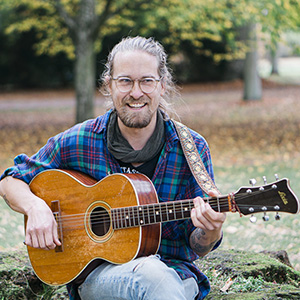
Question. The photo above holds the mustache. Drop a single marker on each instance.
(130, 99)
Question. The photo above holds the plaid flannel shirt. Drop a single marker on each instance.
(84, 148)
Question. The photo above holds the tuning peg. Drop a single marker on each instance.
(277, 216)
(253, 219)
(276, 177)
(265, 179)
(266, 217)
(252, 181)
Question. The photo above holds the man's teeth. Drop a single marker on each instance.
(136, 105)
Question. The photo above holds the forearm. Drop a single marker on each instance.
(202, 241)
(17, 195)
(41, 227)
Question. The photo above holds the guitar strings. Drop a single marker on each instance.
(101, 217)
(105, 213)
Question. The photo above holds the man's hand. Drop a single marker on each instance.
(209, 226)
(41, 228)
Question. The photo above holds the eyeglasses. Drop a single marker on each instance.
(147, 84)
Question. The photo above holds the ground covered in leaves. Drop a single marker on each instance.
(246, 139)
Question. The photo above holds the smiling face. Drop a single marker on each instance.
(135, 108)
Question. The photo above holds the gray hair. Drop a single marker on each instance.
(154, 48)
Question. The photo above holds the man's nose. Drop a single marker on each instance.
(136, 91)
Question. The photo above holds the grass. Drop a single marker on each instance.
(273, 235)
(247, 140)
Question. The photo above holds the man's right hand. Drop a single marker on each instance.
(41, 227)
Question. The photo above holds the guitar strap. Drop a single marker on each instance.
(193, 158)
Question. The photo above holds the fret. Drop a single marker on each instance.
(175, 210)
(182, 212)
(164, 212)
(170, 211)
(218, 204)
(126, 217)
(146, 214)
(160, 213)
(186, 209)
(191, 203)
(119, 218)
(141, 216)
(135, 216)
(130, 216)
(157, 214)
(122, 218)
(178, 210)
(113, 218)
(116, 218)
(152, 214)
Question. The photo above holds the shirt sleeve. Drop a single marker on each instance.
(48, 157)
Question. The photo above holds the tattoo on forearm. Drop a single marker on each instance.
(196, 241)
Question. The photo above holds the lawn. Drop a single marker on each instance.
(247, 140)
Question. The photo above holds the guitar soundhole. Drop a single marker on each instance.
(100, 221)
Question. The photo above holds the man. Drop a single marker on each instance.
(135, 136)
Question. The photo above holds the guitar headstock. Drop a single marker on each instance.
(274, 197)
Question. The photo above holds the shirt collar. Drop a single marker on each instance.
(101, 122)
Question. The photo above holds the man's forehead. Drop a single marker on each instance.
(133, 55)
(135, 61)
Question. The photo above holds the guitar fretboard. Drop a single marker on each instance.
(142, 215)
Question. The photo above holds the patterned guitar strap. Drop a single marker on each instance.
(193, 158)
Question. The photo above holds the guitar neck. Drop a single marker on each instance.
(148, 214)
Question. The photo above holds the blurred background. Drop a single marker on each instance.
(237, 64)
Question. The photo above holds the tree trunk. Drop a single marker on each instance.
(274, 61)
(85, 74)
(252, 81)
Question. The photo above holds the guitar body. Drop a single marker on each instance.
(76, 201)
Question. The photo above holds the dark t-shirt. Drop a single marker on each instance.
(146, 168)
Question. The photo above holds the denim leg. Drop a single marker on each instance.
(145, 278)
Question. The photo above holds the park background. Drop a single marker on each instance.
(237, 65)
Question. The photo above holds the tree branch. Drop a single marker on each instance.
(100, 20)
(107, 13)
(70, 22)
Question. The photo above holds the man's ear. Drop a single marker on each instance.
(108, 82)
(163, 87)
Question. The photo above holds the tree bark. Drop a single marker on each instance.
(83, 28)
(85, 74)
(252, 81)
(274, 61)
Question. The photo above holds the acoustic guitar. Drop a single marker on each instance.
(119, 218)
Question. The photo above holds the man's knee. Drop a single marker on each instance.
(157, 278)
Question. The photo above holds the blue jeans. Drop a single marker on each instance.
(146, 278)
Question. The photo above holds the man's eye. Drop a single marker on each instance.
(124, 80)
(148, 81)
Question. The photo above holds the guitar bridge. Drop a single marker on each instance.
(55, 207)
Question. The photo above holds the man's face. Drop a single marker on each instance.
(136, 109)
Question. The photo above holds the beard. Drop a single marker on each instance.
(132, 119)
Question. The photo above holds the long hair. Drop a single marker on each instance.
(154, 48)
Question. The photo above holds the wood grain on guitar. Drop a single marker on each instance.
(119, 218)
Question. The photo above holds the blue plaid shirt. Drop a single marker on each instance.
(84, 148)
